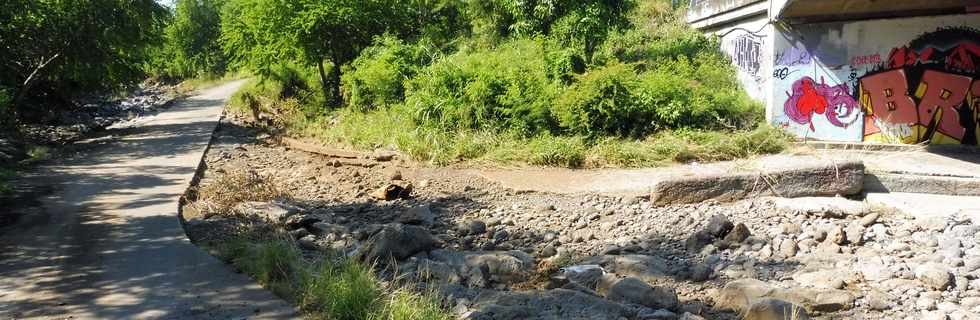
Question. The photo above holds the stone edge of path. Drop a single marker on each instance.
(844, 178)
(914, 183)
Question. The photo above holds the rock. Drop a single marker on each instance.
(395, 175)
(420, 215)
(277, 211)
(874, 270)
(299, 233)
(844, 178)
(644, 267)
(828, 279)
(836, 236)
(790, 228)
(828, 207)
(740, 294)
(698, 240)
(393, 191)
(738, 234)
(869, 219)
(501, 236)
(934, 315)
(499, 266)
(775, 309)
(396, 241)
(855, 233)
(930, 223)
(549, 304)
(701, 272)
(934, 275)
(633, 290)
(308, 242)
(788, 248)
(880, 301)
(690, 316)
(472, 227)
(585, 275)
(659, 314)
(925, 303)
(383, 155)
(719, 226)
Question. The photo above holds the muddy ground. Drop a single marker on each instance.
(498, 254)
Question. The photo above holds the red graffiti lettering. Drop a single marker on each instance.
(962, 57)
(861, 60)
(940, 95)
(886, 95)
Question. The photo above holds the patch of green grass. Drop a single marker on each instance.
(38, 153)
(328, 287)
(5, 175)
(393, 127)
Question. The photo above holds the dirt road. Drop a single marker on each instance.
(105, 241)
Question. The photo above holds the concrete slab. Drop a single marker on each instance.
(633, 182)
(921, 205)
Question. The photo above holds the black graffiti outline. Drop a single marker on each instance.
(783, 73)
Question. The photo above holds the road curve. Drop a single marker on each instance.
(104, 241)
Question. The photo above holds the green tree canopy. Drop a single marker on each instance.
(59, 48)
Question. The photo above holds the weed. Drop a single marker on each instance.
(38, 153)
(331, 286)
(235, 187)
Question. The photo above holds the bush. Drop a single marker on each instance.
(605, 101)
(376, 77)
(616, 100)
(503, 88)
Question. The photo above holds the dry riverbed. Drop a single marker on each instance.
(492, 253)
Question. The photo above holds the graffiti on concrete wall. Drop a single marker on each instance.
(923, 91)
(926, 91)
(809, 97)
(747, 53)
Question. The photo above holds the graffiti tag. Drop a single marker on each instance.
(794, 56)
(747, 53)
(868, 59)
(782, 73)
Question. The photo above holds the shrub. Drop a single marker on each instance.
(507, 87)
(604, 101)
(616, 100)
(376, 77)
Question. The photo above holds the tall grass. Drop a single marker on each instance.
(327, 286)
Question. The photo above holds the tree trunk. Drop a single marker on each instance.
(336, 99)
(324, 82)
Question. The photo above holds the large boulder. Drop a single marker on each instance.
(481, 268)
(741, 294)
(934, 275)
(644, 267)
(540, 305)
(396, 241)
(635, 291)
(277, 211)
(775, 309)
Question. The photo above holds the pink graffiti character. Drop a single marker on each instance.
(809, 97)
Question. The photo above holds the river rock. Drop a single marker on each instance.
(775, 309)
(934, 275)
(633, 290)
(719, 226)
(396, 241)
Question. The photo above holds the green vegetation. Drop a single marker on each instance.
(566, 83)
(54, 51)
(328, 286)
(190, 48)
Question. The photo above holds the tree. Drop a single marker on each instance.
(582, 24)
(59, 48)
(191, 48)
(261, 33)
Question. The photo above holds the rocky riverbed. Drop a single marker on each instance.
(493, 253)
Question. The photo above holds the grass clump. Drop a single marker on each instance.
(5, 175)
(329, 286)
(234, 187)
